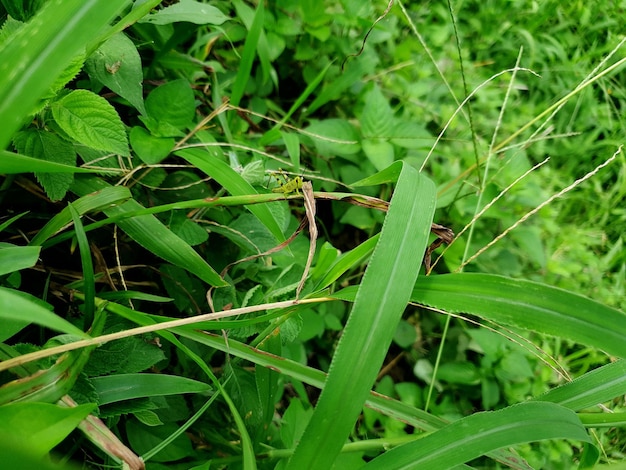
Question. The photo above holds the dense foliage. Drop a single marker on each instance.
(209, 206)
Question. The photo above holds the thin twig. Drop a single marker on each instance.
(99, 340)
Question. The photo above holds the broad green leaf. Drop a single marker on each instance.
(528, 305)
(409, 134)
(149, 148)
(117, 65)
(189, 11)
(377, 116)
(112, 388)
(14, 258)
(150, 233)
(12, 163)
(124, 356)
(336, 137)
(39, 426)
(379, 152)
(92, 121)
(481, 433)
(55, 36)
(47, 146)
(171, 104)
(16, 307)
(372, 322)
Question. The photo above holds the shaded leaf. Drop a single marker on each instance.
(117, 65)
(112, 388)
(49, 147)
(171, 104)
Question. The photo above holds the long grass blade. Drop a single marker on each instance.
(89, 282)
(380, 301)
(481, 433)
(598, 386)
(528, 305)
(249, 51)
(13, 163)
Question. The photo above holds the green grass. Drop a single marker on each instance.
(161, 299)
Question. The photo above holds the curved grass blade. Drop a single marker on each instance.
(15, 258)
(380, 301)
(385, 405)
(481, 433)
(12, 163)
(528, 305)
(150, 233)
(47, 385)
(39, 427)
(598, 386)
(234, 183)
(347, 261)
(92, 202)
(17, 307)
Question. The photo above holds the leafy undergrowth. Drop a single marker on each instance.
(227, 235)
